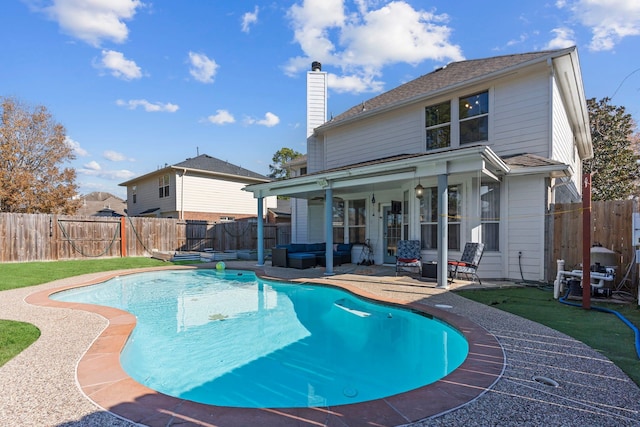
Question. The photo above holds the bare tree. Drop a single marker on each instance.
(33, 152)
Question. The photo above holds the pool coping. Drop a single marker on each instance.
(101, 378)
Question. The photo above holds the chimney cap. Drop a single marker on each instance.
(316, 66)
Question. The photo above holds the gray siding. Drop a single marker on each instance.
(525, 217)
(521, 116)
(399, 132)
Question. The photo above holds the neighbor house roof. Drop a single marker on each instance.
(208, 165)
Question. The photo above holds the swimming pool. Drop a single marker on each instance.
(232, 339)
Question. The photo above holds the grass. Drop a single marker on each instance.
(16, 336)
(603, 332)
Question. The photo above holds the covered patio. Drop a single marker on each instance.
(385, 184)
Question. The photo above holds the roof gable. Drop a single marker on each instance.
(204, 162)
(450, 75)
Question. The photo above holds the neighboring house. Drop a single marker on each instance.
(474, 151)
(281, 214)
(99, 203)
(200, 188)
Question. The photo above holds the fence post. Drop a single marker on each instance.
(123, 237)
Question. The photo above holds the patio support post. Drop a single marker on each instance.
(443, 235)
(328, 230)
(260, 231)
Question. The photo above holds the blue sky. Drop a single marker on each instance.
(139, 83)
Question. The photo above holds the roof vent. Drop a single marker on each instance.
(316, 66)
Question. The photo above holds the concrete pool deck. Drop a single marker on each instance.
(71, 377)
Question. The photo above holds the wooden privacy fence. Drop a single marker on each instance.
(33, 237)
(611, 228)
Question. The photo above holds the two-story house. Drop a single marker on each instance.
(199, 188)
(474, 151)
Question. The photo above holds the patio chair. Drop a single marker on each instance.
(408, 255)
(468, 263)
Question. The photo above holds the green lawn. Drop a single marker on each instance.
(16, 336)
(603, 332)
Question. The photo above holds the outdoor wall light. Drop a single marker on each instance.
(373, 199)
(419, 191)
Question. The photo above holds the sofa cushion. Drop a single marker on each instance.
(297, 247)
(316, 247)
(344, 247)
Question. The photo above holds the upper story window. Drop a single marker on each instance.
(134, 193)
(163, 186)
(303, 171)
(438, 124)
(474, 117)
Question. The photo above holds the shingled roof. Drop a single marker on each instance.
(204, 162)
(450, 75)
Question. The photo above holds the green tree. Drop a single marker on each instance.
(32, 153)
(614, 166)
(278, 168)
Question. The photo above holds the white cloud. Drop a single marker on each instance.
(270, 120)
(362, 42)
(92, 21)
(114, 156)
(93, 165)
(75, 145)
(564, 37)
(221, 117)
(119, 66)
(355, 83)
(203, 69)
(609, 20)
(132, 104)
(249, 18)
(91, 170)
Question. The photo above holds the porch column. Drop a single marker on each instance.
(260, 231)
(328, 230)
(443, 234)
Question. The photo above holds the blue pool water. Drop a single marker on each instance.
(231, 339)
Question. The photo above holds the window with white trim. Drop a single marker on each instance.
(163, 186)
(338, 220)
(490, 215)
(474, 117)
(438, 125)
(357, 220)
(429, 218)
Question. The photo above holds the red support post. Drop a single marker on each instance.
(586, 241)
(123, 237)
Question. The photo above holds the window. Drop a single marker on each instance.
(338, 221)
(357, 221)
(303, 171)
(474, 118)
(438, 125)
(163, 186)
(134, 193)
(429, 218)
(405, 215)
(490, 215)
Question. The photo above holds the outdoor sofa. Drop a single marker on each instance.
(306, 255)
